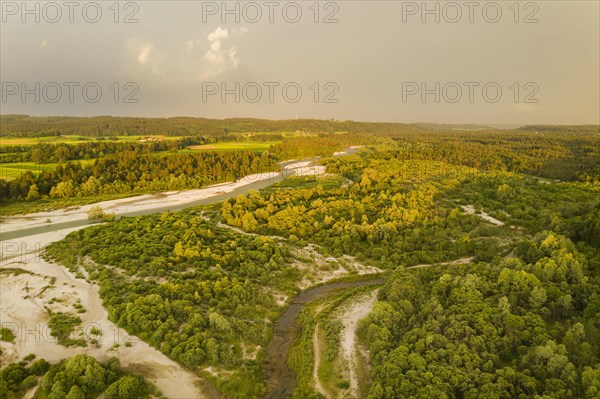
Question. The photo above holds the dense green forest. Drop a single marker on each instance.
(407, 212)
(503, 226)
(202, 294)
(526, 326)
(27, 126)
(79, 377)
(111, 169)
(32, 126)
(44, 153)
(139, 171)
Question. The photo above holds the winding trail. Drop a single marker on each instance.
(351, 314)
(317, 362)
(461, 261)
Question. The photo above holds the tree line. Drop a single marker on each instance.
(136, 170)
(44, 153)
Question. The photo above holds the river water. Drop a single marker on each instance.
(280, 380)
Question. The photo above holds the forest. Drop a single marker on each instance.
(525, 326)
(488, 243)
(200, 293)
(53, 174)
(80, 173)
(79, 377)
(31, 126)
(138, 171)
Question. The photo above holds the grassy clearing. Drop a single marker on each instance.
(235, 146)
(12, 170)
(75, 139)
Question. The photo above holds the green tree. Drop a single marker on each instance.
(75, 393)
(63, 190)
(128, 387)
(33, 193)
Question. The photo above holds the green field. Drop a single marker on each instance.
(75, 139)
(235, 146)
(12, 170)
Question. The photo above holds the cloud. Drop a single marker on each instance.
(192, 43)
(219, 59)
(193, 61)
(44, 43)
(218, 34)
(145, 52)
(144, 60)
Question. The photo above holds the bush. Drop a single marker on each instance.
(96, 214)
(6, 335)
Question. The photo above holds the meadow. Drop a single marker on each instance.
(13, 170)
(236, 146)
(76, 139)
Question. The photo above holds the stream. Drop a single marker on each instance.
(28, 242)
(279, 379)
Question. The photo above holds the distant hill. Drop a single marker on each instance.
(23, 125)
(12, 125)
(446, 127)
(587, 129)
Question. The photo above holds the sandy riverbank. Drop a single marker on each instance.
(42, 285)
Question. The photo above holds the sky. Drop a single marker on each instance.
(503, 62)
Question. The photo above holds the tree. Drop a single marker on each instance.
(36, 155)
(128, 387)
(92, 186)
(96, 214)
(61, 153)
(178, 250)
(538, 297)
(33, 193)
(75, 393)
(63, 190)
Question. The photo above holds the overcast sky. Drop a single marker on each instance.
(483, 62)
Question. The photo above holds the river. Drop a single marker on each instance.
(20, 226)
(21, 248)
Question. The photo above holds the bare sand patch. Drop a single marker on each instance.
(320, 269)
(349, 342)
(25, 298)
(470, 210)
(461, 261)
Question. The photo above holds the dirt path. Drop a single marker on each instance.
(349, 341)
(317, 362)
